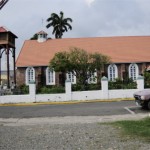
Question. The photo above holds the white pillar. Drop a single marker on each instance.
(32, 91)
(68, 90)
(140, 82)
(104, 84)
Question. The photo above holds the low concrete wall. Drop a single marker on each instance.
(50, 97)
(15, 99)
(127, 93)
(104, 93)
(83, 95)
(87, 95)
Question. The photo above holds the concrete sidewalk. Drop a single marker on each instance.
(69, 119)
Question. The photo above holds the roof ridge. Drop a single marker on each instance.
(104, 37)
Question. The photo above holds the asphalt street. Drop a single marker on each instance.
(68, 126)
(79, 109)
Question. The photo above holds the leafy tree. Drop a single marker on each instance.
(146, 79)
(79, 62)
(59, 24)
(35, 37)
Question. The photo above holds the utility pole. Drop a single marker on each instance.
(2, 3)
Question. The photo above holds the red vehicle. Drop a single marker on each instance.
(142, 98)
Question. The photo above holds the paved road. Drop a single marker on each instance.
(73, 126)
(61, 110)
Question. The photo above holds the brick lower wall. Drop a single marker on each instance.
(40, 76)
(20, 76)
(40, 73)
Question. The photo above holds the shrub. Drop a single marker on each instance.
(77, 87)
(50, 89)
(122, 84)
(22, 89)
(88, 87)
(146, 79)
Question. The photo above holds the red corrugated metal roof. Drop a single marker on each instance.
(124, 49)
(3, 29)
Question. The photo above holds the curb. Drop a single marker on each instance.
(66, 102)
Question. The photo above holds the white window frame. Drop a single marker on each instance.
(112, 72)
(93, 78)
(50, 76)
(133, 71)
(71, 77)
(30, 75)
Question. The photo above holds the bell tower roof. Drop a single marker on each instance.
(4, 29)
(6, 37)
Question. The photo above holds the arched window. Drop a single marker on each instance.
(50, 76)
(30, 75)
(112, 72)
(93, 78)
(133, 71)
(70, 76)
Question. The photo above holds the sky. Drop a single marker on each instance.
(91, 18)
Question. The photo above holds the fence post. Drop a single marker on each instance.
(32, 91)
(68, 90)
(140, 82)
(104, 84)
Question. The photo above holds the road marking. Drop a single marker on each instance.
(130, 111)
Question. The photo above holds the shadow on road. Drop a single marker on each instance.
(138, 109)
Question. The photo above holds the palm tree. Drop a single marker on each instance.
(59, 24)
(2, 3)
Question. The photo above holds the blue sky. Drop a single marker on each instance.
(91, 18)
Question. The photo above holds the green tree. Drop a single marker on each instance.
(146, 79)
(79, 62)
(35, 37)
(59, 24)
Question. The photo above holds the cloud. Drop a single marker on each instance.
(89, 2)
(91, 18)
(114, 17)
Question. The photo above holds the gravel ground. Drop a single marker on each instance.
(76, 136)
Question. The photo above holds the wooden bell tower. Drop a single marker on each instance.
(7, 46)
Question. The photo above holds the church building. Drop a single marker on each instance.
(130, 56)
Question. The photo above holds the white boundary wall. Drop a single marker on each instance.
(15, 99)
(104, 93)
(50, 97)
(127, 93)
(87, 95)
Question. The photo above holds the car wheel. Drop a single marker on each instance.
(144, 105)
(137, 102)
(148, 105)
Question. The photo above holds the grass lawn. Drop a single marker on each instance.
(140, 128)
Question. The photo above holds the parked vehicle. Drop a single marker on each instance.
(142, 98)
